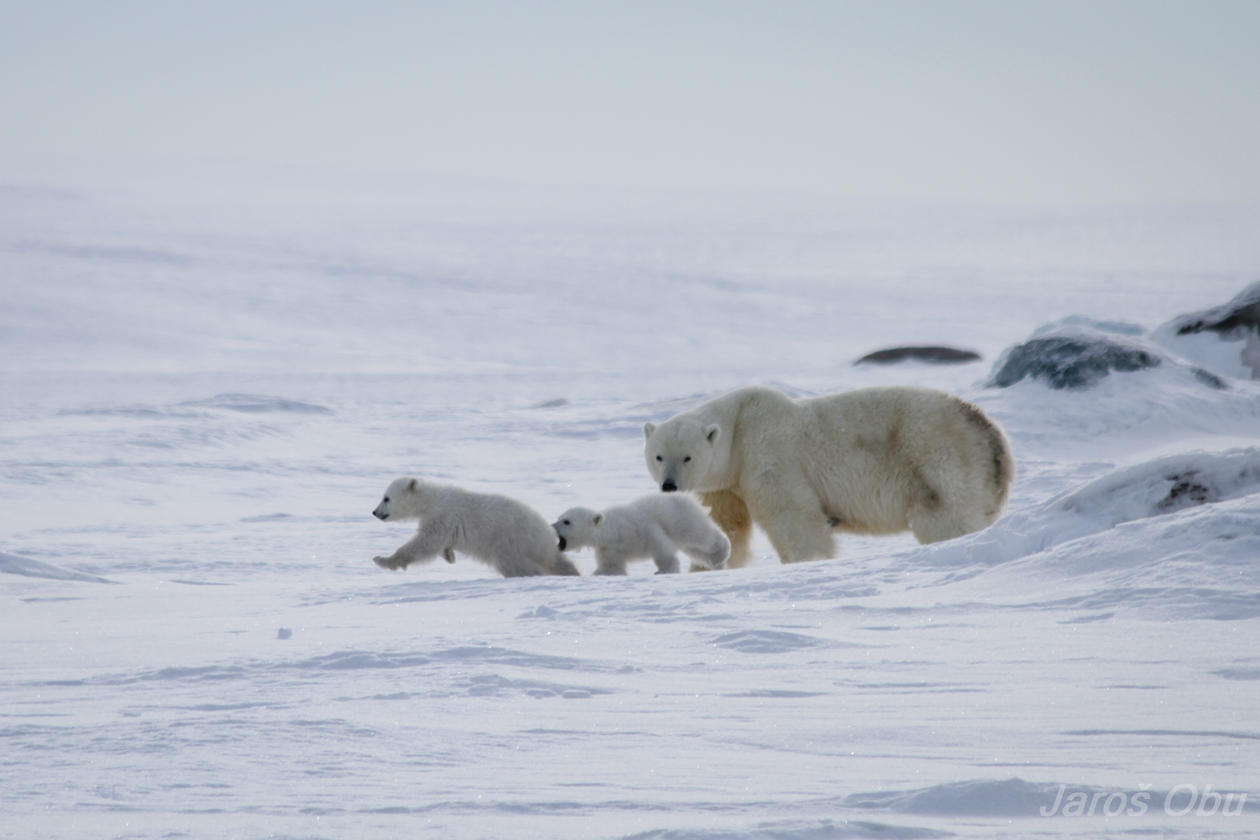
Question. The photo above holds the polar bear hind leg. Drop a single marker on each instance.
(934, 518)
(713, 555)
(561, 565)
(730, 514)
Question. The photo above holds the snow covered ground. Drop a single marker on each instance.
(207, 385)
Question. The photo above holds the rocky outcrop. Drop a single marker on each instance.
(931, 354)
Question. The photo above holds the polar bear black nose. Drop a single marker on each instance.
(669, 487)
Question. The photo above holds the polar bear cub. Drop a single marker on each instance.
(654, 526)
(496, 530)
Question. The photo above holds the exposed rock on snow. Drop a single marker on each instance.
(1167, 484)
(1073, 358)
(1240, 315)
(932, 354)
(1225, 338)
(1077, 356)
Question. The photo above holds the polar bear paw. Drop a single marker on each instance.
(389, 562)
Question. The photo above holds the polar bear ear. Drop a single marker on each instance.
(648, 428)
(413, 485)
(712, 432)
(599, 517)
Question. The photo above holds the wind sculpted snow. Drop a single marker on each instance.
(201, 403)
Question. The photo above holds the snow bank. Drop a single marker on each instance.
(15, 565)
(1176, 534)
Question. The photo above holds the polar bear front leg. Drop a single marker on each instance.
(664, 554)
(425, 545)
(728, 511)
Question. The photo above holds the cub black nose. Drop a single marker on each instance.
(669, 487)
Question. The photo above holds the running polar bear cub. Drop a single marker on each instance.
(654, 526)
(869, 461)
(496, 530)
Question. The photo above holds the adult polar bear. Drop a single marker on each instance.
(869, 461)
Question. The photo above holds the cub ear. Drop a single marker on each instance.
(648, 428)
(413, 485)
(712, 432)
(599, 517)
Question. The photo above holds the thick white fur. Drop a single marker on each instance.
(869, 461)
(655, 526)
(496, 530)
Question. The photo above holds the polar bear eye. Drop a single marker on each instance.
(687, 460)
(386, 499)
(565, 522)
(659, 458)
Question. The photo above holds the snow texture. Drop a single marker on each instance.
(205, 387)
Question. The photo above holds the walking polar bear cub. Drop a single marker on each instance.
(654, 526)
(869, 461)
(496, 530)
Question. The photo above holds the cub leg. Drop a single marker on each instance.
(711, 556)
(609, 564)
(663, 553)
(428, 542)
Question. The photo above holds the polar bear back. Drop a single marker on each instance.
(678, 516)
(907, 444)
(484, 521)
(495, 529)
(658, 526)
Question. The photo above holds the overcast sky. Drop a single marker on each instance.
(1096, 101)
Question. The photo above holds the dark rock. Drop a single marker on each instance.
(1236, 323)
(1187, 490)
(930, 354)
(1232, 320)
(1209, 379)
(1076, 360)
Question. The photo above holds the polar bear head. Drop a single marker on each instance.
(578, 528)
(682, 454)
(404, 499)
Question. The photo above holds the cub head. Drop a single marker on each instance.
(577, 528)
(402, 500)
(681, 454)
